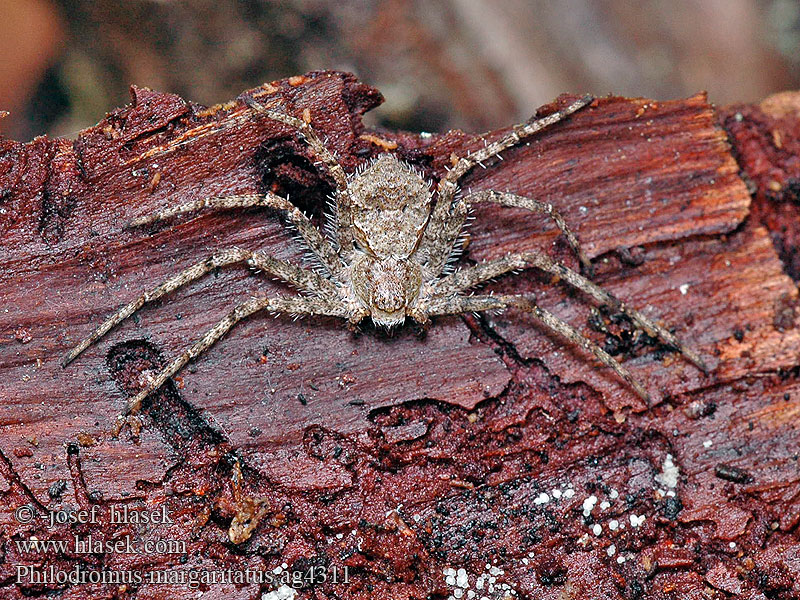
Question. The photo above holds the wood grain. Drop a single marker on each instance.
(486, 441)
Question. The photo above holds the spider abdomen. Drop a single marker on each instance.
(390, 206)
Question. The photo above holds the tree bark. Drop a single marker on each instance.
(486, 441)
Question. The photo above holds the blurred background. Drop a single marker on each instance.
(472, 64)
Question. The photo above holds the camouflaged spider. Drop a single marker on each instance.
(389, 253)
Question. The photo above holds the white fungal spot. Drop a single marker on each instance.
(588, 505)
(461, 578)
(636, 521)
(684, 288)
(669, 473)
(284, 592)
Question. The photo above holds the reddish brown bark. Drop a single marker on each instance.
(401, 456)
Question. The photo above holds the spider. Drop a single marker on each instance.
(387, 258)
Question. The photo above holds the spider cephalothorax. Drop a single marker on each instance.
(392, 239)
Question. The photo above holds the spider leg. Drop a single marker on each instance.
(439, 232)
(301, 278)
(448, 184)
(467, 278)
(315, 241)
(293, 305)
(344, 217)
(545, 208)
(461, 304)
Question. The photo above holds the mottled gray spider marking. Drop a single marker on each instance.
(387, 258)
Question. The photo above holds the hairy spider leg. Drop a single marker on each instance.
(459, 304)
(439, 228)
(297, 305)
(469, 277)
(314, 240)
(454, 227)
(344, 216)
(301, 278)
